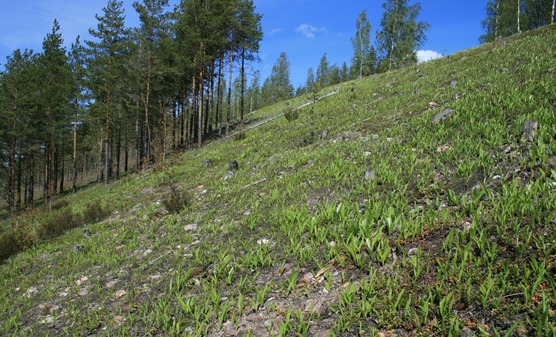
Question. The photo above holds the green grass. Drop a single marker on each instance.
(454, 231)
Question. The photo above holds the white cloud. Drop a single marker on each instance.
(427, 55)
(309, 31)
(274, 31)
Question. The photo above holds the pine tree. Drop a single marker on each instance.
(280, 79)
(106, 70)
(323, 76)
(400, 34)
(310, 84)
(54, 110)
(76, 60)
(248, 36)
(153, 30)
(364, 54)
(18, 90)
(277, 87)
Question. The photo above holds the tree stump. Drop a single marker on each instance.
(529, 129)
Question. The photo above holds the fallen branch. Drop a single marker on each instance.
(282, 114)
(255, 183)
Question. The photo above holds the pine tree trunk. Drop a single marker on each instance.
(19, 173)
(63, 170)
(30, 200)
(219, 94)
(174, 124)
(242, 99)
(200, 108)
(230, 88)
(126, 147)
(74, 157)
(11, 175)
(118, 149)
(55, 171)
(211, 99)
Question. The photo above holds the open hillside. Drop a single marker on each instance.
(419, 202)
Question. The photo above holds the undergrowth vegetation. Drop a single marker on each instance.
(355, 215)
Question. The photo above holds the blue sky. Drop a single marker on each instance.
(304, 29)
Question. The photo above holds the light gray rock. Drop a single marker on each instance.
(443, 115)
(190, 227)
(369, 175)
(529, 129)
(228, 175)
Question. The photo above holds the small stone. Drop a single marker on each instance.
(455, 96)
(453, 84)
(443, 115)
(207, 162)
(54, 308)
(234, 166)
(86, 233)
(324, 134)
(77, 248)
(228, 175)
(147, 252)
(412, 251)
(261, 242)
(191, 227)
(119, 293)
(31, 290)
(118, 320)
(369, 175)
(83, 291)
(332, 244)
(110, 284)
(467, 332)
(307, 277)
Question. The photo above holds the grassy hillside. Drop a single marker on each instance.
(355, 215)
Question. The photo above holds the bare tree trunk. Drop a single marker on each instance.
(219, 94)
(553, 10)
(518, 15)
(242, 98)
(496, 28)
(230, 87)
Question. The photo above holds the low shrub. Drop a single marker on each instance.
(94, 212)
(175, 201)
(9, 244)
